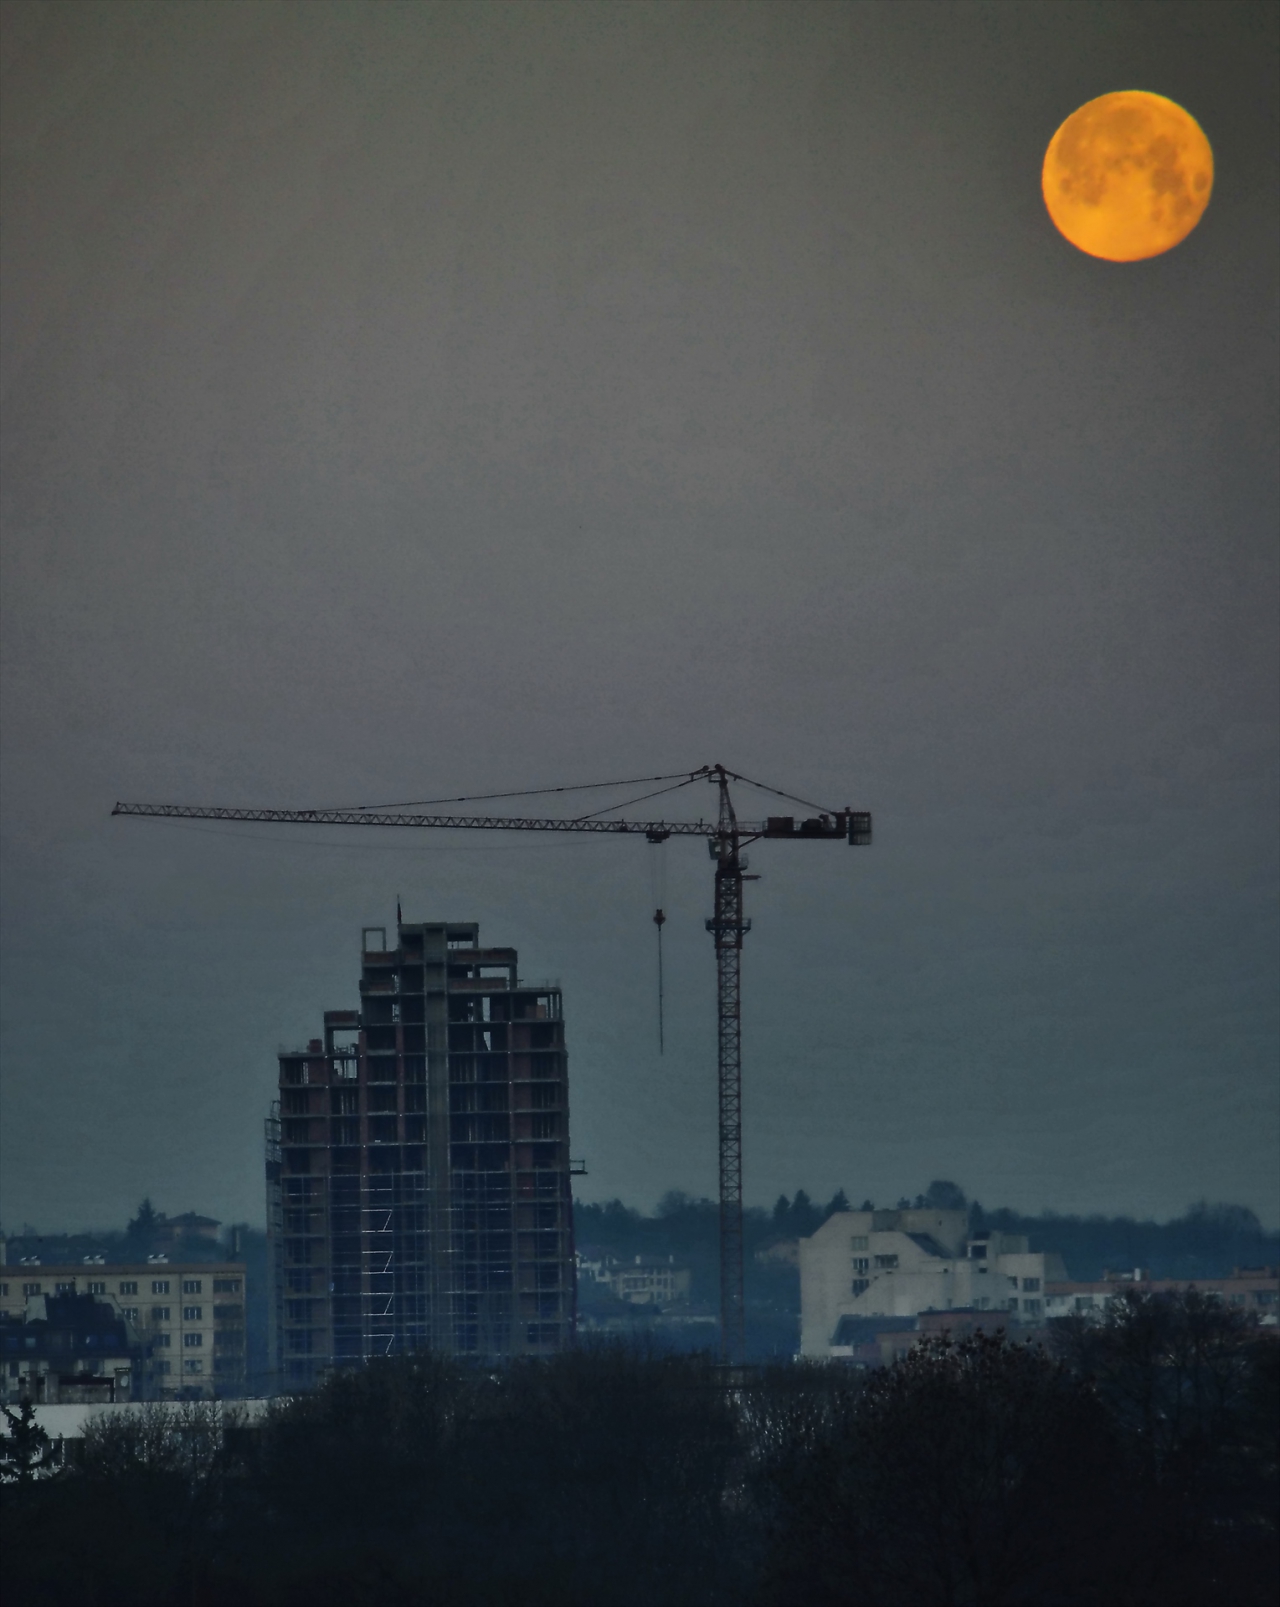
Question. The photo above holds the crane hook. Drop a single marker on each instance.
(659, 920)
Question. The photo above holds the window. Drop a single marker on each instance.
(195, 1365)
(1030, 1308)
(164, 1366)
(4, 1290)
(193, 1341)
(858, 1242)
(128, 1288)
(64, 1288)
(160, 1286)
(97, 1288)
(226, 1286)
(860, 1263)
(193, 1313)
(192, 1286)
(30, 1289)
(129, 1313)
(162, 1340)
(886, 1262)
(1031, 1285)
(858, 1285)
(160, 1313)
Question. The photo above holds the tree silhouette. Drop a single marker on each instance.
(944, 1196)
(26, 1451)
(142, 1231)
(964, 1473)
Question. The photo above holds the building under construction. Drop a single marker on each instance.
(418, 1165)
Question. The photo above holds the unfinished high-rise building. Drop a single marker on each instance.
(418, 1193)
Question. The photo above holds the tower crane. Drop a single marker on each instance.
(726, 838)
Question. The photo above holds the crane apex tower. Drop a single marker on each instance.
(418, 1173)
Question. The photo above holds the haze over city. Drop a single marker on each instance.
(404, 402)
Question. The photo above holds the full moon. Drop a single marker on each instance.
(1128, 176)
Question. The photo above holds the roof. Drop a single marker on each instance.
(851, 1330)
(930, 1245)
(1111, 1286)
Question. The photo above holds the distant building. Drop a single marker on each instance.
(189, 1318)
(642, 1280)
(70, 1348)
(171, 1232)
(1252, 1289)
(418, 1166)
(899, 1264)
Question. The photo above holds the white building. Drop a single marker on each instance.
(645, 1280)
(1255, 1290)
(898, 1264)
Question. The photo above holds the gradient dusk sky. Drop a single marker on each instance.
(409, 400)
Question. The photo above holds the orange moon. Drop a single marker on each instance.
(1128, 176)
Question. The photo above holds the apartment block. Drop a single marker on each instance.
(900, 1264)
(189, 1318)
(418, 1173)
(1253, 1290)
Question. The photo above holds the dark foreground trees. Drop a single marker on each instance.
(976, 1472)
(1137, 1466)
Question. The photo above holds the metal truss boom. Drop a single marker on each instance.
(726, 837)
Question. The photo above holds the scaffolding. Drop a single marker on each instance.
(418, 1171)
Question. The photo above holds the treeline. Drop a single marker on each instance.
(1133, 1465)
(1207, 1241)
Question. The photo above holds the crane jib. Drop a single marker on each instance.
(853, 825)
(726, 837)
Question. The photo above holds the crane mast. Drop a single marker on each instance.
(728, 925)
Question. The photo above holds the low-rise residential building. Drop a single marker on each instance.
(878, 1341)
(899, 1264)
(70, 1348)
(189, 1317)
(651, 1281)
(1252, 1289)
(643, 1280)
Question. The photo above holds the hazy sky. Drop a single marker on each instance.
(410, 400)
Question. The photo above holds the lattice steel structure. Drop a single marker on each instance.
(726, 838)
(418, 1165)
